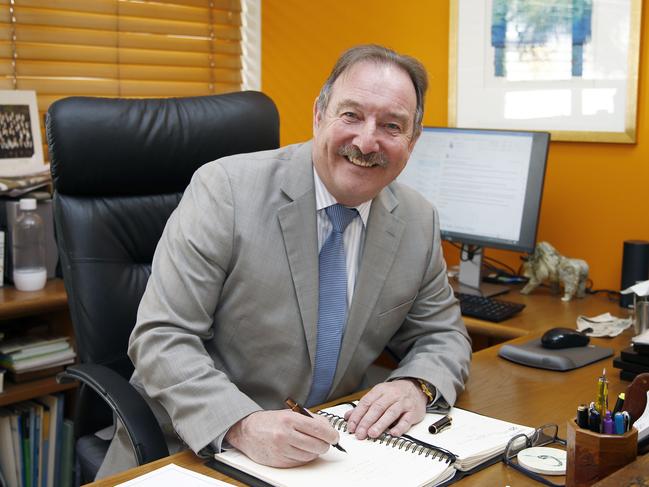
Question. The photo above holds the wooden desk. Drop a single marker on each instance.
(502, 389)
(543, 310)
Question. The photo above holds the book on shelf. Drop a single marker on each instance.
(27, 342)
(54, 402)
(19, 377)
(26, 354)
(63, 357)
(416, 459)
(16, 435)
(40, 350)
(7, 455)
(65, 476)
(30, 439)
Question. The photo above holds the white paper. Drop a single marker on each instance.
(640, 289)
(642, 423)
(173, 476)
(642, 338)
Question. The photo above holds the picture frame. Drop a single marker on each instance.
(573, 73)
(21, 148)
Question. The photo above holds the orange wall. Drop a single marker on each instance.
(588, 186)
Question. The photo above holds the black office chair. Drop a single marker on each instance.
(119, 168)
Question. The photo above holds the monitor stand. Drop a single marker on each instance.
(470, 278)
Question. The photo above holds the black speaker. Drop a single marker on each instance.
(635, 267)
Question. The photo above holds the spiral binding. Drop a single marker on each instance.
(406, 443)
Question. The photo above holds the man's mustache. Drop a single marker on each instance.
(373, 158)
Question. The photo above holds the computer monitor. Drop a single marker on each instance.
(487, 187)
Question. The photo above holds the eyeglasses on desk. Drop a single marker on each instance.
(542, 436)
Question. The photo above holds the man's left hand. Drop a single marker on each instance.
(393, 406)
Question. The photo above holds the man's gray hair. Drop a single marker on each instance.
(379, 55)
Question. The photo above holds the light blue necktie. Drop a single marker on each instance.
(332, 303)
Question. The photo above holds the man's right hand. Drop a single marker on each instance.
(282, 438)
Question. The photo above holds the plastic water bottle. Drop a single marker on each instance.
(29, 271)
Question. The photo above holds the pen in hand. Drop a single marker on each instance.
(293, 406)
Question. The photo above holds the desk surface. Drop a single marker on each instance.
(542, 310)
(500, 388)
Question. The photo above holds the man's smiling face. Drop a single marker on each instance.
(364, 137)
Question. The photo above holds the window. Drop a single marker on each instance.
(120, 48)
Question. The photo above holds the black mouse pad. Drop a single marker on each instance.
(533, 354)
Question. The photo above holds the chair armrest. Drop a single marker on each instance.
(131, 409)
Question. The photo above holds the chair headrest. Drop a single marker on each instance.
(110, 146)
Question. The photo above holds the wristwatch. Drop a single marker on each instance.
(427, 389)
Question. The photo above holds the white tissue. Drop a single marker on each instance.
(604, 325)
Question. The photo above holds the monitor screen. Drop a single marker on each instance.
(485, 184)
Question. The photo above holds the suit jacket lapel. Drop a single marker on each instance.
(384, 231)
(302, 246)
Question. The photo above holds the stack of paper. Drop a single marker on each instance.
(34, 354)
(16, 186)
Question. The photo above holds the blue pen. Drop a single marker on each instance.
(620, 427)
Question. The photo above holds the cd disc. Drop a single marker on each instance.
(543, 460)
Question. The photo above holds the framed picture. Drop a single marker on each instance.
(569, 67)
(21, 150)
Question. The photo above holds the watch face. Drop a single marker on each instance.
(543, 460)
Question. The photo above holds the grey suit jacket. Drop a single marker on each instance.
(227, 325)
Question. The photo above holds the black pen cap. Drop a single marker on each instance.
(582, 416)
(594, 421)
(440, 424)
(619, 403)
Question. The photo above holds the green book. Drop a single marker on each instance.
(67, 453)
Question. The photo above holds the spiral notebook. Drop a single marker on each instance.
(418, 459)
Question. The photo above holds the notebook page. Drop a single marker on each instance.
(473, 437)
(366, 464)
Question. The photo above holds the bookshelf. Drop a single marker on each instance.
(23, 309)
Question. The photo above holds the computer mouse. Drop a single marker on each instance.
(564, 338)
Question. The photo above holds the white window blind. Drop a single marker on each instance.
(125, 48)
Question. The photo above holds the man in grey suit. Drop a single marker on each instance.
(236, 316)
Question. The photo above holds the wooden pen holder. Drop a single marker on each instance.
(593, 456)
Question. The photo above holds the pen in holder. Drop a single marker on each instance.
(593, 456)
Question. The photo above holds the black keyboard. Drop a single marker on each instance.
(488, 309)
